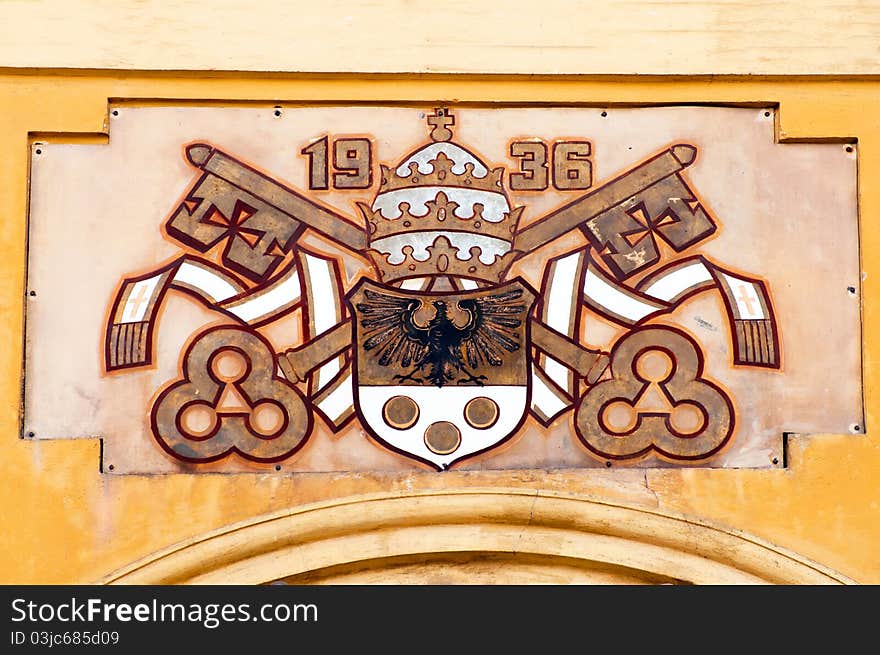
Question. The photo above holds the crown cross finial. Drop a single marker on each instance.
(441, 120)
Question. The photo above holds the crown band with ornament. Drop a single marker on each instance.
(432, 166)
(442, 214)
(443, 258)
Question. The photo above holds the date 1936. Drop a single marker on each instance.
(347, 163)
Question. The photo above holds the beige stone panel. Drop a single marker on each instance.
(778, 206)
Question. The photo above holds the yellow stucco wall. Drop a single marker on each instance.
(64, 522)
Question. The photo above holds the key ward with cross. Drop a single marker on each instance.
(745, 299)
(137, 304)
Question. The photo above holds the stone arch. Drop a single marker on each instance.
(478, 535)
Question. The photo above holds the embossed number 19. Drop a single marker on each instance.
(352, 163)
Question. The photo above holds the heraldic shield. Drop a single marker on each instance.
(441, 376)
